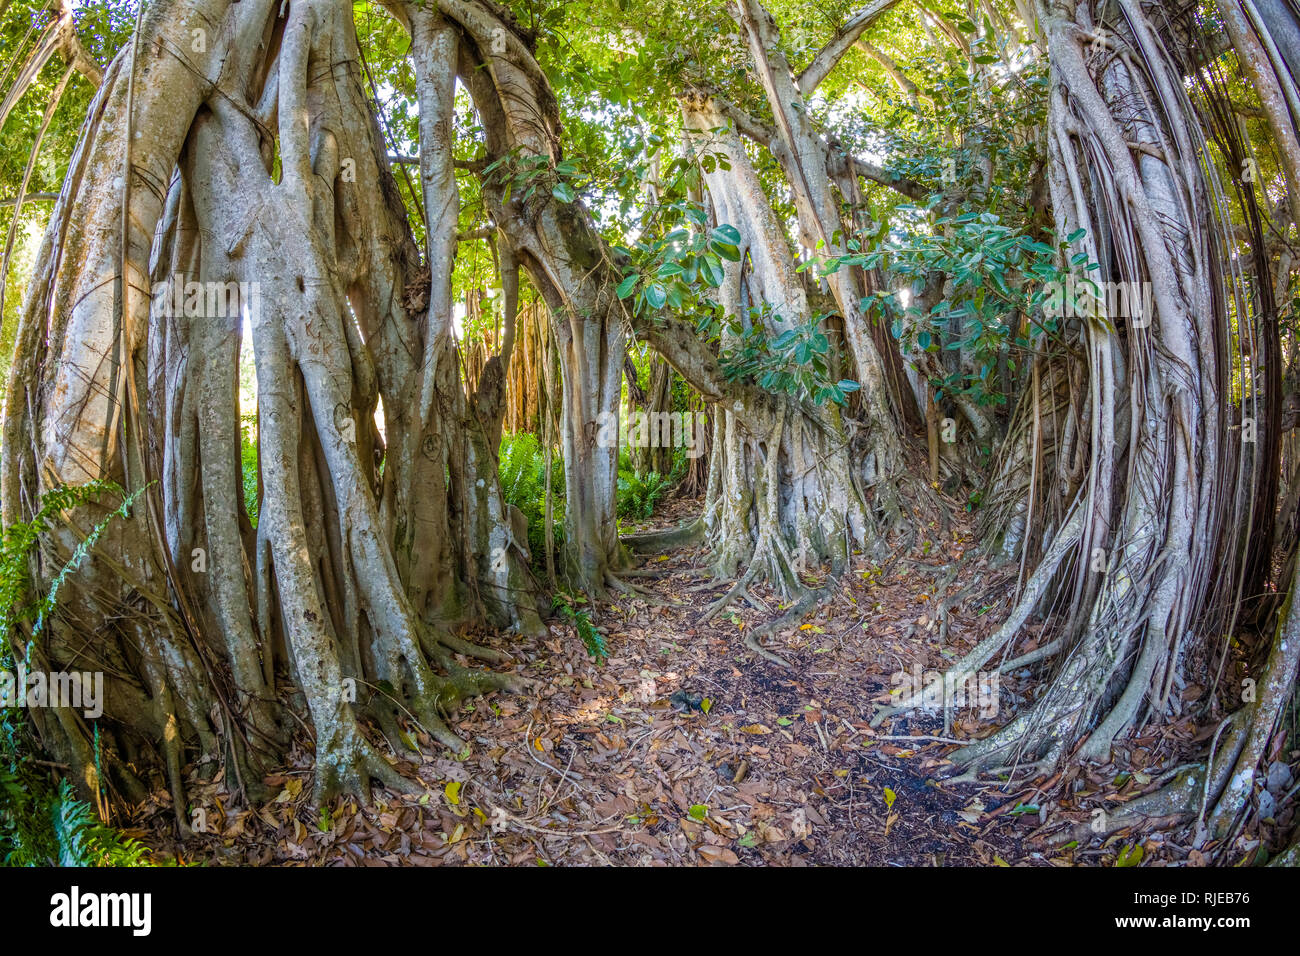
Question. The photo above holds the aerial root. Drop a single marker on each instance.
(1007, 632)
(377, 768)
(751, 642)
(1026, 771)
(1172, 804)
(1031, 657)
(353, 766)
(386, 710)
(437, 728)
(462, 682)
(1018, 736)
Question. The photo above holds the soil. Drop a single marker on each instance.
(684, 748)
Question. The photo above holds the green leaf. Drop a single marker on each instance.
(627, 285)
(656, 295)
(563, 192)
(711, 271)
(785, 339)
(728, 234)
(1129, 856)
(698, 811)
(729, 252)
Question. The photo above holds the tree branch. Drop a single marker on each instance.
(948, 30)
(878, 174)
(768, 137)
(901, 79)
(30, 197)
(76, 55)
(844, 38)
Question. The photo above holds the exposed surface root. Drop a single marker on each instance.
(809, 602)
(656, 542)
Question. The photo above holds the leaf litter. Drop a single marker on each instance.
(684, 748)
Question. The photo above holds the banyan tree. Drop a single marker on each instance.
(232, 200)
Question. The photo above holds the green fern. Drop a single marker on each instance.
(40, 824)
(83, 841)
(16, 545)
(522, 471)
(592, 639)
(637, 496)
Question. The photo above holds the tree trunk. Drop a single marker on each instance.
(784, 494)
(1151, 535)
(567, 262)
(352, 579)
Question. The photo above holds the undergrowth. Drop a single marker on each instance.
(592, 638)
(637, 495)
(248, 464)
(44, 823)
(523, 484)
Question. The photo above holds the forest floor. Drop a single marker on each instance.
(686, 748)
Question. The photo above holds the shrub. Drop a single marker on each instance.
(637, 495)
(523, 484)
(248, 464)
(41, 824)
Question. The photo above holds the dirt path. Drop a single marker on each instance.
(684, 747)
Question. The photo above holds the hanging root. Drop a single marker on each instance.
(322, 262)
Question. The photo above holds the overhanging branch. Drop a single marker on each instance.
(831, 54)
